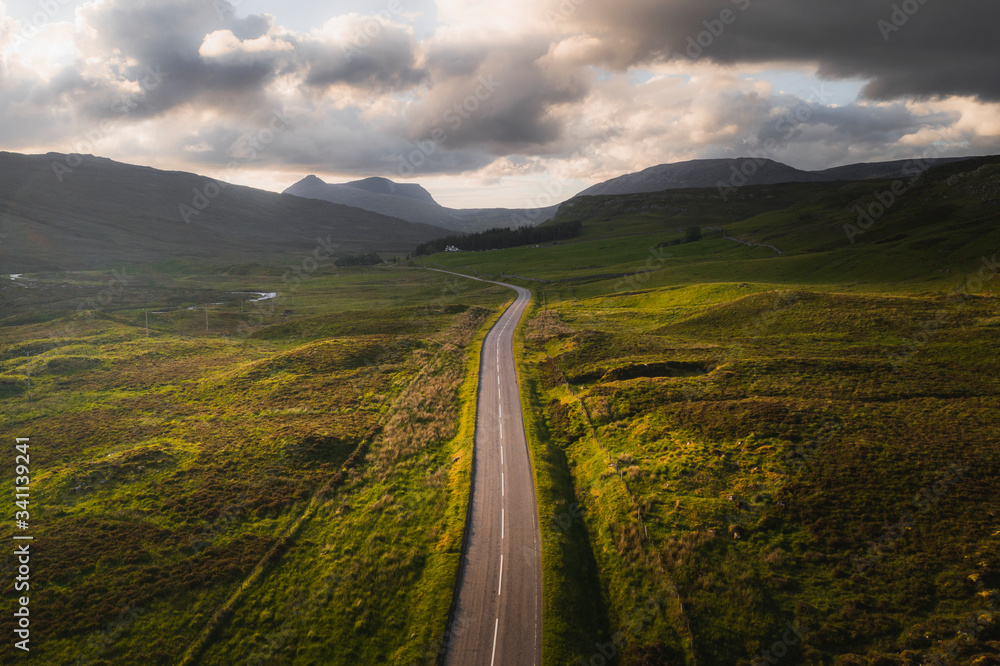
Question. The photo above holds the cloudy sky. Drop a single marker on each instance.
(495, 103)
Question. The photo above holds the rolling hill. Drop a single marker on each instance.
(102, 213)
(747, 171)
(738, 452)
(779, 434)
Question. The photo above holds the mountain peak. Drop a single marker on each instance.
(313, 187)
(378, 185)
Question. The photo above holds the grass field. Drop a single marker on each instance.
(777, 444)
(770, 458)
(236, 495)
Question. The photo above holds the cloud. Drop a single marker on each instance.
(920, 48)
(362, 51)
(577, 89)
(502, 97)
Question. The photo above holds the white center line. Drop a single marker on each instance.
(500, 587)
(501, 454)
(503, 521)
(503, 491)
(495, 627)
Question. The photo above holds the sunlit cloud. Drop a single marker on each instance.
(496, 99)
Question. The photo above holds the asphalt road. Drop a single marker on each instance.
(498, 619)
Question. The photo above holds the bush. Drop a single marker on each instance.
(692, 234)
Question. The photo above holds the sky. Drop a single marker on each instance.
(514, 104)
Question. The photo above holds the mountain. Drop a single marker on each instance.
(386, 186)
(413, 203)
(60, 214)
(748, 171)
(883, 170)
(372, 186)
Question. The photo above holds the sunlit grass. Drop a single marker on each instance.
(172, 471)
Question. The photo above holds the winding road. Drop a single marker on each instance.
(498, 616)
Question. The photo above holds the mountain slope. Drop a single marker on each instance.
(747, 171)
(386, 186)
(413, 203)
(104, 213)
(754, 436)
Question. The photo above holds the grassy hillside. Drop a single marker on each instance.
(101, 214)
(778, 454)
(776, 444)
(288, 487)
(942, 222)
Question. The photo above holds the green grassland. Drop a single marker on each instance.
(288, 486)
(768, 457)
(777, 444)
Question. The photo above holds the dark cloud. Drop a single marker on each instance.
(385, 60)
(813, 136)
(163, 40)
(344, 143)
(919, 48)
(152, 31)
(502, 97)
(168, 37)
(791, 119)
(367, 97)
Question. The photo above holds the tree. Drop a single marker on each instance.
(692, 234)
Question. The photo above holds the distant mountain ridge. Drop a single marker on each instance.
(411, 202)
(736, 172)
(385, 186)
(101, 214)
(375, 185)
